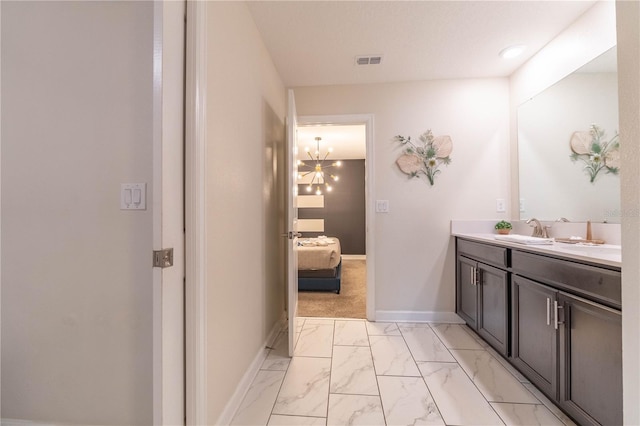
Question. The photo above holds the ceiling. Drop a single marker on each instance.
(348, 142)
(315, 43)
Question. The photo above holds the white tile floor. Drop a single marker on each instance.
(353, 372)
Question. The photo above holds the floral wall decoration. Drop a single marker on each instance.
(595, 151)
(424, 157)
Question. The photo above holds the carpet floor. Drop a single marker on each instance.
(350, 303)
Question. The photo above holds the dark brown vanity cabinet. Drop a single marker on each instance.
(483, 292)
(534, 348)
(560, 322)
(590, 344)
(567, 334)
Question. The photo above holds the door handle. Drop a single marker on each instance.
(291, 235)
(548, 310)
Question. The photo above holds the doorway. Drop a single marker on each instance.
(340, 212)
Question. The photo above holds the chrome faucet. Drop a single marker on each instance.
(562, 219)
(538, 230)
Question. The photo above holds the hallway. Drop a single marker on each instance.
(354, 372)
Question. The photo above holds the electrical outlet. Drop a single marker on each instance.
(521, 204)
(501, 206)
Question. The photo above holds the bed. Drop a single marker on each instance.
(319, 264)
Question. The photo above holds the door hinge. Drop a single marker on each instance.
(163, 258)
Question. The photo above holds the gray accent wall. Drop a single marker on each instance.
(344, 208)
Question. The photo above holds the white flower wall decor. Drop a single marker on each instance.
(424, 157)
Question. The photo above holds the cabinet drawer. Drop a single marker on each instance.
(598, 284)
(484, 252)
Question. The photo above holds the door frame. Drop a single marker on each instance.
(195, 215)
(168, 210)
(367, 120)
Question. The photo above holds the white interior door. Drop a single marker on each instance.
(292, 221)
(168, 213)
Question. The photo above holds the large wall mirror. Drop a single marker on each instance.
(552, 185)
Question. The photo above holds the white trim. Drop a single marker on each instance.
(156, 208)
(367, 120)
(418, 316)
(244, 385)
(195, 215)
(0, 216)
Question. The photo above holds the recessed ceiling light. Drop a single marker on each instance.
(512, 51)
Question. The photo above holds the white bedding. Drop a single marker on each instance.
(318, 253)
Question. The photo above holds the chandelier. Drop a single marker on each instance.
(317, 168)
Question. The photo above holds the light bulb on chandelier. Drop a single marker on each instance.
(318, 168)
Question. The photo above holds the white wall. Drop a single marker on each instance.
(628, 21)
(414, 268)
(246, 105)
(76, 273)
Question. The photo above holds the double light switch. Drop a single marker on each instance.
(133, 196)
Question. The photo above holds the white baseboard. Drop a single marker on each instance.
(243, 386)
(19, 422)
(418, 316)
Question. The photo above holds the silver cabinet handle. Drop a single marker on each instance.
(473, 275)
(556, 308)
(548, 311)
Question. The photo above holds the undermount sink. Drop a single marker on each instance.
(524, 239)
(594, 249)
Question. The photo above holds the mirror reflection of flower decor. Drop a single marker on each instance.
(426, 156)
(595, 151)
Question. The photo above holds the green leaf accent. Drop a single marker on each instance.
(427, 153)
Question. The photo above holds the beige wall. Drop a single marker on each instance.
(628, 21)
(414, 267)
(245, 126)
(76, 279)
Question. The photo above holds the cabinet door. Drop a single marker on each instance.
(534, 339)
(467, 291)
(493, 306)
(591, 362)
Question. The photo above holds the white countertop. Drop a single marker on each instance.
(603, 254)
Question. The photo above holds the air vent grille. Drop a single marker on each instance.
(369, 60)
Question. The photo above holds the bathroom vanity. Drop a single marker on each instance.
(554, 312)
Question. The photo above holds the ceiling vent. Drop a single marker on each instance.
(369, 60)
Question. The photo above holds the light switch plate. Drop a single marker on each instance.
(133, 196)
(382, 206)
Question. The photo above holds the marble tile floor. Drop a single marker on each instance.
(354, 372)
